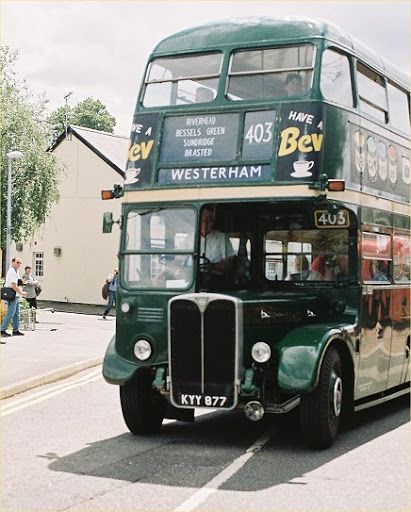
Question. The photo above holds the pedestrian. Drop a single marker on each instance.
(112, 289)
(29, 286)
(13, 308)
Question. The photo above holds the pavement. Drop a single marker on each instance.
(61, 345)
(73, 307)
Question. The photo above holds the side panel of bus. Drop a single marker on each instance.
(385, 330)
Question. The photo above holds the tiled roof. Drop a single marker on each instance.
(111, 148)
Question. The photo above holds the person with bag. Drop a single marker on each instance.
(104, 291)
(29, 286)
(111, 291)
(13, 309)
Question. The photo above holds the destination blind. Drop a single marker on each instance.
(200, 138)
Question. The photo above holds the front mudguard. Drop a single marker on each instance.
(117, 370)
(300, 353)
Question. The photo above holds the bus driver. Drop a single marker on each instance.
(215, 246)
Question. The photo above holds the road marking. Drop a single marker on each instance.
(213, 485)
(20, 403)
(53, 386)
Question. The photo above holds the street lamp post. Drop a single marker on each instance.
(11, 155)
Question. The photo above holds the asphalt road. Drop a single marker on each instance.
(65, 447)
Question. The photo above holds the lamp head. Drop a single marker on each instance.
(14, 155)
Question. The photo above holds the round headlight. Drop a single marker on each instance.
(261, 352)
(142, 350)
(125, 307)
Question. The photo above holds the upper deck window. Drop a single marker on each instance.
(182, 80)
(399, 108)
(372, 93)
(336, 78)
(271, 73)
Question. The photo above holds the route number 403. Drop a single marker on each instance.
(326, 219)
(260, 132)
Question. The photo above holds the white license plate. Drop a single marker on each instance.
(202, 400)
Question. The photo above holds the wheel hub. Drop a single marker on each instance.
(337, 396)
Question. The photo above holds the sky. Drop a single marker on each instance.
(99, 48)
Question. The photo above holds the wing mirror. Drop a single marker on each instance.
(108, 222)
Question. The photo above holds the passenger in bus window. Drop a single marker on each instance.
(215, 246)
(341, 270)
(293, 84)
(322, 269)
(367, 270)
(302, 268)
(203, 95)
(317, 269)
(381, 271)
(403, 274)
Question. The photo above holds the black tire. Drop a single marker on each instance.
(320, 410)
(143, 408)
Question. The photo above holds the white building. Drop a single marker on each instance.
(70, 255)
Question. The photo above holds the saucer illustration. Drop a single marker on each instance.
(301, 174)
(302, 168)
(130, 181)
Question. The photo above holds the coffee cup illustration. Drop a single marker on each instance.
(131, 175)
(302, 167)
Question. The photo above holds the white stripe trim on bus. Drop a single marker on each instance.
(263, 192)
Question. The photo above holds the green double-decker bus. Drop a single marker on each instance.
(265, 230)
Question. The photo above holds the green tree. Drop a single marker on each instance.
(88, 113)
(24, 128)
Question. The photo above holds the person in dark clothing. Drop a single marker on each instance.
(29, 286)
(112, 290)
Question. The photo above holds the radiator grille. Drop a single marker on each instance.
(203, 352)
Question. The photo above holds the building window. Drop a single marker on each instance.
(39, 264)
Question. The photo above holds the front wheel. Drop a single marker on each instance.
(143, 408)
(320, 410)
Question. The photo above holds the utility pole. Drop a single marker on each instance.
(11, 155)
(66, 113)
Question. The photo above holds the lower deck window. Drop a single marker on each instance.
(306, 255)
(377, 260)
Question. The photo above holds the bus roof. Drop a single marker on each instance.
(243, 32)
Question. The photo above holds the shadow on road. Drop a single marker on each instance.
(189, 455)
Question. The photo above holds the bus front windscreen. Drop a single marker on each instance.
(158, 248)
